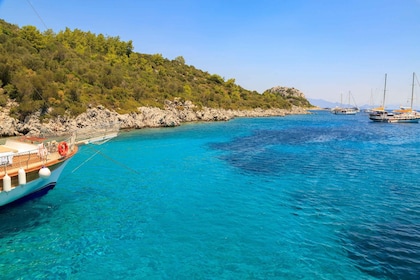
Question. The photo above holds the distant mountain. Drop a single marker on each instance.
(327, 104)
(324, 104)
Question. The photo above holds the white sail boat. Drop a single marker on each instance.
(345, 111)
(403, 115)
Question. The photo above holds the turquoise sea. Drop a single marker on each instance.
(315, 196)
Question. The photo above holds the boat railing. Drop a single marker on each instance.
(97, 133)
(23, 152)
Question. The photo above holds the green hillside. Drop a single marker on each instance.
(65, 72)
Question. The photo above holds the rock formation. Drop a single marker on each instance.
(287, 92)
(174, 113)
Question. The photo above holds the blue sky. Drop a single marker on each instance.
(325, 48)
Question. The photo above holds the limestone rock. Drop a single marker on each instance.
(287, 92)
(174, 113)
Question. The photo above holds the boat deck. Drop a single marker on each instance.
(28, 162)
(31, 157)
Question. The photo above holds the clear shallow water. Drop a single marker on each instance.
(302, 197)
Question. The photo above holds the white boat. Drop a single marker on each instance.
(31, 166)
(379, 114)
(404, 118)
(402, 115)
(345, 111)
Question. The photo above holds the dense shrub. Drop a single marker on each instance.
(67, 71)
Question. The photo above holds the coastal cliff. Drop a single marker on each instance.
(174, 114)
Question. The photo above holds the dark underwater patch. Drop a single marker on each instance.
(273, 151)
(385, 251)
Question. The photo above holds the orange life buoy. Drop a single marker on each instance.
(63, 149)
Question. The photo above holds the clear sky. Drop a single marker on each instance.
(325, 48)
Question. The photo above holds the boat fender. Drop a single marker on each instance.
(21, 176)
(44, 172)
(7, 183)
(63, 148)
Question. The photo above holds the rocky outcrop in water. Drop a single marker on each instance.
(174, 114)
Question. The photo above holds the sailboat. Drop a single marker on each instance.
(345, 111)
(379, 114)
(403, 115)
(370, 110)
(406, 114)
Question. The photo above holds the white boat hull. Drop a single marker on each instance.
(403, 120)
(33, 188)
(391, 118)
(344, 111)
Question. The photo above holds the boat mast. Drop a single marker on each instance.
(412, 91)
(383, 102)
(349, 100)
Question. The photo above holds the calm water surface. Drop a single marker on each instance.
(301, 197)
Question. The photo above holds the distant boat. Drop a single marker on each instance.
(30, 166)
(370, 110)
(403, 115)
(345, 111)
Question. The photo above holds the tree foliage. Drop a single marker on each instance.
(67, 71)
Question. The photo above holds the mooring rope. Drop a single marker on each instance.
(83, 163)
(107, 157)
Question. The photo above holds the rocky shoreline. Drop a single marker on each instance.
(174, 114)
